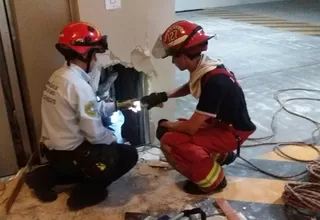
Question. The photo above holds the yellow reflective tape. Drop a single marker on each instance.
(211, 177)
(101, 166)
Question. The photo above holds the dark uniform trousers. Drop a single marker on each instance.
(97, 165)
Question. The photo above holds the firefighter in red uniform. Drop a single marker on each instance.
(198, 147)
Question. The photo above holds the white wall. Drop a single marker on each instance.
(136, 23)
(181, 5)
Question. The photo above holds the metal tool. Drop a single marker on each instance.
(186, 214)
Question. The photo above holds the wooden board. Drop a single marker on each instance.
(11, 190)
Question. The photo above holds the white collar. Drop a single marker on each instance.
(80, 72)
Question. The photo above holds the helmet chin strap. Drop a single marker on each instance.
(87, 60)
(88, 65)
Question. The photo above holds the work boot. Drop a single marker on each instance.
(192, 188)
(41, 182)
(86, 195)
(231, 157)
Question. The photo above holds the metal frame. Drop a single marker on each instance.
(74, 10)
(7, 28)
(145, 115)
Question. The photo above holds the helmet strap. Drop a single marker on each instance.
(89, 59)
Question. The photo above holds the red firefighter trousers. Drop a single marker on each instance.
(199, 157)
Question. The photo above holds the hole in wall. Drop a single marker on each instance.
(120, 83)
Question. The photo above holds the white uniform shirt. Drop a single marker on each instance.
(70, 111)
(95, 75)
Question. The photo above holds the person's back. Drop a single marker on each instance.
(62, 125)
(233, 107)
(79, 149)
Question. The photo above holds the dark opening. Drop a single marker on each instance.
(124, 84)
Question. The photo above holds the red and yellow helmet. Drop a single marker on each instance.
(182, 37)
(81, 38)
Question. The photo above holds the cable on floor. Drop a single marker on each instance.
(297, 195)
(302, 198)
(261, 141)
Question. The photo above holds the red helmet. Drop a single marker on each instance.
(184, 37)
(81, 38)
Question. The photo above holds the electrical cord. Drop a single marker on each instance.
(273, 126)
(303, 198)
(300, 198)
(297, 195)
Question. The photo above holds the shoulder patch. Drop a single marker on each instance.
(91, 109)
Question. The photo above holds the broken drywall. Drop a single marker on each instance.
(129, 27)
(141, 61)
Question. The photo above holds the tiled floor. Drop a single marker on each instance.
(264, 60)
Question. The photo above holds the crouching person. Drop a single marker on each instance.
(198, 147)
(79, 149)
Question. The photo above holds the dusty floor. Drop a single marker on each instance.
(265, 59)
(157, 191)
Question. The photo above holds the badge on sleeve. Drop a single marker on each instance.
(91, 109)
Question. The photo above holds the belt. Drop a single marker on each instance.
(233, 131)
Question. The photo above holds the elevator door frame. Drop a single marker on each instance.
(10, 56)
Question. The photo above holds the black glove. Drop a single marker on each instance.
(154, 99)
(161, 130)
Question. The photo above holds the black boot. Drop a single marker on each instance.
(192, 188)
(231, 157)
(86, 195)
(41, 182)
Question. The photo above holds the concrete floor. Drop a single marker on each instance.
(264, 60)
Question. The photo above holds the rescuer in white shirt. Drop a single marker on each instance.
(78, 147)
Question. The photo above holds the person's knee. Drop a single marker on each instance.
(131, 155)
(134, 156)
(174, 138)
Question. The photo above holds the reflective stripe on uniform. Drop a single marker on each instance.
(212, 177)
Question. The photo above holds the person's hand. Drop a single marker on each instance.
(154, 99)
(204, 125)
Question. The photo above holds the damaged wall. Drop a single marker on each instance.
(132, 26)
(181, 5)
